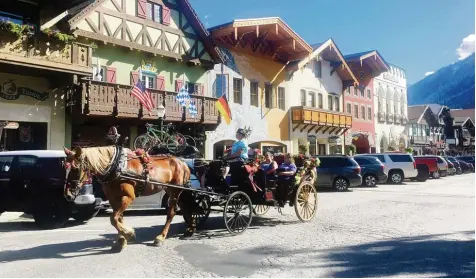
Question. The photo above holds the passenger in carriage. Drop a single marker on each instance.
(269, 166)
(239, 154)
(288, 169)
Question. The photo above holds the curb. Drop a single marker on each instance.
(10, 216)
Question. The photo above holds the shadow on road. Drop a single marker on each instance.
(428, 254)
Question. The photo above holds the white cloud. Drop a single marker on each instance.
(466, 48)
(207, 24)
(429, 73)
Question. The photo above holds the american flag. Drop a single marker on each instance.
(140, 92)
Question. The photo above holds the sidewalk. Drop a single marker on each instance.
(10, 216)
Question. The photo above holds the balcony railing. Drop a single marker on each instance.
(381, 116)
(420, 140)
(109, 99)
(45, 52)
(389, 118)
(310, 115)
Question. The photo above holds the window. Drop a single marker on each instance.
(369, 113)
(5, 163)
(330, 101)
(379, 106)
(237, 91)
(347, 90)
(254, 94)
(400, 158)
(154, 12)
(281, 98)
(356, 111)
(369, 94)
(362, 93)
(221, 85)
(337, 103)
(349, 108)
(26, 162)
(318, 69)
(320, 101)
(311, 100)
(380, 157)
(268, 95)
(149, 81)
(303, 97)
(356, 91)
(335, 162)
(194, 88)
(362, 112)
(99, 73)
(363, 161)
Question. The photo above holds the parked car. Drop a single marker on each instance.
(339, 172)
(456, 164)
(467, 159)
(372, 171)
(33, 182)
(431, 163)
(398, 165)
(465, 167)
(451, 167)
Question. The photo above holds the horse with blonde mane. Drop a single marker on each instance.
(103, 162)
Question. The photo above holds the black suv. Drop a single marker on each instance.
(339, 172)
(372, 171)
(33, 182)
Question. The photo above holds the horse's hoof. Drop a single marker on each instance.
(158, 243)
(119, 245)
(188, 233)
(131, 236)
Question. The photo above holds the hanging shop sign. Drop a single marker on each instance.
(9, 125)
(10, 91)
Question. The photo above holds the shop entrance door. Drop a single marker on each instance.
(28, 136)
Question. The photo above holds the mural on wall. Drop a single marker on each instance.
(10, 91)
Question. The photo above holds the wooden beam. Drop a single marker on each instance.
(257, 31)
(294, 44)
(312, 128)
(277, 29)
(236, 33)
(331, 130)
(318, 129)
(338, 130)
(305, 126)
(295, 127)
(325, 129)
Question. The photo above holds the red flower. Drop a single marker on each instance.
(301, 156)
(67, 165)
(313, 160)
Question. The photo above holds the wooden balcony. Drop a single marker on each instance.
(422, 140)
(318, 120)
(45, 53)
(109, 99)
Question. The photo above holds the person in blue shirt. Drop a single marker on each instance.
(269, 165)
(287, 169)
(239, 154)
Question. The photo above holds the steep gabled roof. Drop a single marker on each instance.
(415, 113)
(463, 113)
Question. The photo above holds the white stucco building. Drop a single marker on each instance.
(390, 102)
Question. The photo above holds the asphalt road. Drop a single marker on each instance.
(412, 230)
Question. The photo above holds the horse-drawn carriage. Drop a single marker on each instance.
(126, 175)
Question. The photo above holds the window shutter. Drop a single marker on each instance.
(134, 77)
(165, 15)
(111, 75)
(202, 91)
(178, 85)
(142, 8)
(160, 83)
(273, 97)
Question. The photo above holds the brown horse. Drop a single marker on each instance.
(121, 192)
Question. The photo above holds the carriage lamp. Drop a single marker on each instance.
(161, 114)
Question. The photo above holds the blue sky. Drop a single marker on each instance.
(419, 35)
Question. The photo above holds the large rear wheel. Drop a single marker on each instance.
(305, 204)
(260, 209)
(145, 142)
(200, 210)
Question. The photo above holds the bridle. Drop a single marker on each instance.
(84, 174)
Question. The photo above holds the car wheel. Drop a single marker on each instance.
(396, 177)
(341, 184)
(435, 175)
(370, 180)
(51, 213)
(85, 214)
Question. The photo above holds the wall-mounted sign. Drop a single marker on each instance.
(148, 66)
(9, 125)
(10, 91)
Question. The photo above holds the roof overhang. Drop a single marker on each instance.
(372, 61)
(262, 36)
(329, 51)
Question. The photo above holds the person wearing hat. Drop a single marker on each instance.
(238, 154)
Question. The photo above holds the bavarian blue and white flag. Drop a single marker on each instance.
(185, 101)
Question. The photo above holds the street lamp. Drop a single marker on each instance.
(161, 114)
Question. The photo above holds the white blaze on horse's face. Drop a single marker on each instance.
(76, 172)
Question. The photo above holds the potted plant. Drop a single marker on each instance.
(409, 150)
(351, 149)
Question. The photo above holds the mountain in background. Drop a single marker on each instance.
(452, 86)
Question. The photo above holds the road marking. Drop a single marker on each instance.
(76, 230)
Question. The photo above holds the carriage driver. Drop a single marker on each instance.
(239, 151)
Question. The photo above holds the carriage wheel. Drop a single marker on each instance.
(305, 203)
(145, 142)
(201, 210)
(176, 143)
(238, 212)
(260, 209)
